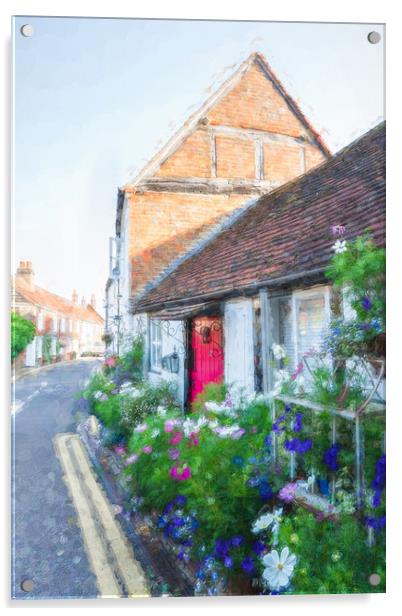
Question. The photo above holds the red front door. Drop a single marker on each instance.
(207, 354)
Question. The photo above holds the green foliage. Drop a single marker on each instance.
(131, 363)
(360, 270)
(46, 349)
(144, 400)
(332, 557)
(214, 392)
(22, 333)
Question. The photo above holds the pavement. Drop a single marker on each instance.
(66, 540)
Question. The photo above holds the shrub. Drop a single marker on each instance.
(130, 365)
(22, 333)
(139, 402)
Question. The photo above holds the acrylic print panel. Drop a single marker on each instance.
(189, 195)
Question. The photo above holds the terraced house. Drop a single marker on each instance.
(66, 329)
(247, 139)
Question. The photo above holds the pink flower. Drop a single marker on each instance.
(169, 425)
(338, 230)
(176, 438)
(147, 449)
(120, 450)
(288, 492)
(193, 440)
(131, 459)
(174, 454)
(238, 434)
(298, 370)
(141, 427)
(111, 361)
(180, 476)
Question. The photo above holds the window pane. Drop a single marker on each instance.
(311, 324)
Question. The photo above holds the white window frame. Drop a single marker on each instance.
(40, 321)
(155, 345)
(306, 294)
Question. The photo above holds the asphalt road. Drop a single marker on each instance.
(47, 546)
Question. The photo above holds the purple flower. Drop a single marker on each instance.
(366, 303)
(268, 441)
(228, 562)
(180, 500)
(338, 230)
(264, 490)
(259, 547)
(173, 453)
(288, 492)
(248, 564)
(298, 423)
(330, 457)
(237, 541)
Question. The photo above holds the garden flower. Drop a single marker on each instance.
(155, 433)
(248, 564)
(176, 438)
(180, 476)
(111, 361)
(288, 492)
(269, 519)
(120, 450)
(339, 246)
(181, 500)
(264, 491)
(228, 562)
(161, 411)
(331, 457)
(259, 547)
(366, 303)
(237, 541)
(278, 568)
(297, 371)
(173, 453)
(193, 440)
(169, 425)
(278, 351)
(338, 230)
(131, 459)
(141, 427)
(238, 461)
(298, 423)
(147, 449)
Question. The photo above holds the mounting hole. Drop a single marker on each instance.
(374, 579)
(374, 37)
(27, 30)
(27, 585)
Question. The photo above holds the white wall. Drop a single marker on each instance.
(30, 354)
(239, 343)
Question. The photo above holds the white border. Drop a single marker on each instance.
(339, 11)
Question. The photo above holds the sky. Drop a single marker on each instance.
(94, 99)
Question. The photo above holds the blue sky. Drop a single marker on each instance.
(95, 98)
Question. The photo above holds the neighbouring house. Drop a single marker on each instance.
(247, 139)
(65, 329)
(216, 313)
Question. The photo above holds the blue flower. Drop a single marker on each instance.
(248, 564)
(238, 461)
(298, 423)
(366, 303)
(228, 562)
(259, 547)
(330, 457)
(265, 490)
(268, 441)
(237, 541)
(253, 482)
(180, 500)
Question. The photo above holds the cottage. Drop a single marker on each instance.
(261, 280)
(65, 329)
(247, 139)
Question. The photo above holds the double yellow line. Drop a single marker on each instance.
(111, 557)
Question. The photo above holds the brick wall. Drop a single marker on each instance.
(164, 225)
(250, 134)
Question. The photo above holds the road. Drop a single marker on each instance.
(48, 548)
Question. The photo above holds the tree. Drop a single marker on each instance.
(22, 333)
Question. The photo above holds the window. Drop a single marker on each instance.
(155, 345)
(312, 309)
(298, 323)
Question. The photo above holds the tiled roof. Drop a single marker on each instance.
(287, 232)
(51, 301)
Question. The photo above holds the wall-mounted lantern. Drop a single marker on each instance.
(205, 332)
(171, 362)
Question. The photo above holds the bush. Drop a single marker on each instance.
(130, 365)
(137, 403)
(22, 333)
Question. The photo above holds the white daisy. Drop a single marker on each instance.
(278, 568)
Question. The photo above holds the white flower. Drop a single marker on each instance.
(155, 433)
(278, 569)
(161, 411)
(278, 351)
(267, 520)
(339, 246)
(99, 395)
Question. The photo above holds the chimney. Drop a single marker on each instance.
(75, 297)
(93, 301)
(26, 273)
(83, 302)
